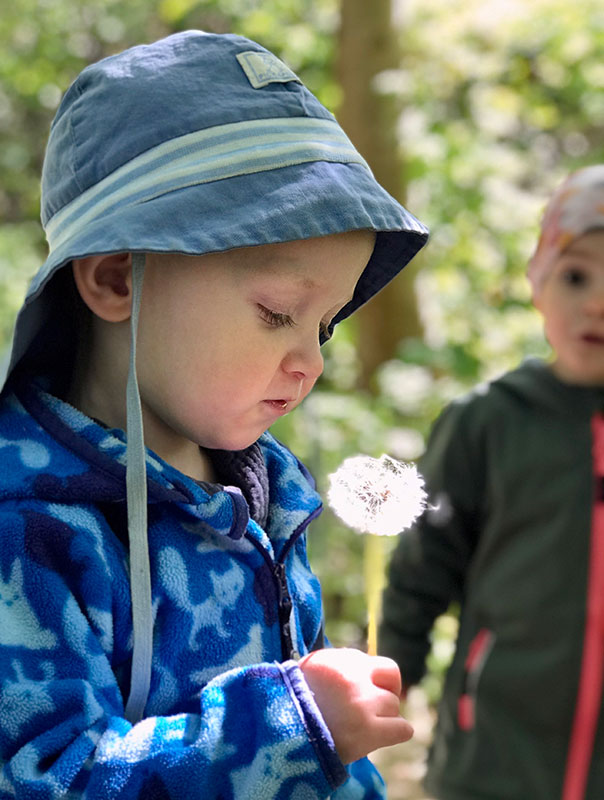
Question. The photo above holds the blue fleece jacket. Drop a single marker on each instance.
(229, 713)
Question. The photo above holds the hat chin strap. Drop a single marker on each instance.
(136, 495)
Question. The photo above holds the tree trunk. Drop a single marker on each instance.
(368, 46)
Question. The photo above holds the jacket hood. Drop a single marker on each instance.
(535, 383)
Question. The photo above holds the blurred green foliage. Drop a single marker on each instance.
(500, 100)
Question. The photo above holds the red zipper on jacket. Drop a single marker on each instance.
(478, 652)
(589, 697)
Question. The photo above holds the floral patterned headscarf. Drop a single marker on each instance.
(576, 207)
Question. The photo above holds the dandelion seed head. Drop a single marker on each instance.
(376, 495)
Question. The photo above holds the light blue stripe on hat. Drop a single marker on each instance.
(213, 154)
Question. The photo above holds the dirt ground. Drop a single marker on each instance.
(403, 766)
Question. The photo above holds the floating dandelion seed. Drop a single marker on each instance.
(379, 496)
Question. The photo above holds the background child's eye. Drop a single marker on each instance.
(275, 318)
(574, 276)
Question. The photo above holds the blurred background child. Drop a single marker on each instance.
(514, 533)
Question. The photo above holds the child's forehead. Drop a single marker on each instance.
(310, 251)
(589, 244)
(584, 252)
(324, 271)
(307, 263)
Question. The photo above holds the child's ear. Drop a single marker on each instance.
(105, 284)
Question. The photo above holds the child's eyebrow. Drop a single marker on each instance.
(309, 284)
(303, 281)
(575, 249)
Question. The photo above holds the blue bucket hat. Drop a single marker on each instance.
(195, 144)
(201, 143)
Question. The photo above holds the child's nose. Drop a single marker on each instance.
(305, 362)
(595, 302)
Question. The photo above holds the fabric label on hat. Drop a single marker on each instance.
(264, 68)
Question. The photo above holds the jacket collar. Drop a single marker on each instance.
(55, 453)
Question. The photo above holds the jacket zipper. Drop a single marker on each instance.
(284, 600)
(589, 695)
(285, 610)
(478, 652)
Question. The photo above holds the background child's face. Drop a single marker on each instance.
(572, 303)
(226, 339)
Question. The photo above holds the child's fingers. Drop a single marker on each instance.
(386, 674)
(387, 704)
(375, 731)
(394, 730)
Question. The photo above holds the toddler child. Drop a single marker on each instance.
(209, 223)
(514, 532)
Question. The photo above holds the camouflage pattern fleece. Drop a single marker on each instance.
(229, 715)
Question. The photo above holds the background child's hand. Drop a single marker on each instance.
(359, 697)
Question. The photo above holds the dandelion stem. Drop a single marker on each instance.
(374, 584)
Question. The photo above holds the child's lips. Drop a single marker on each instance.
(280, 406)
(593, 338)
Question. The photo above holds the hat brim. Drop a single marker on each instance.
(296, 202)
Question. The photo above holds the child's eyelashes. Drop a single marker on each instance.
(277, 319)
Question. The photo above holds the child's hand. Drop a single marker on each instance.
(359, 697)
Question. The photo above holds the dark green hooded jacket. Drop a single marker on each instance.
(514, 533)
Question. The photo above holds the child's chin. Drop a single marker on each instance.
(237, 442)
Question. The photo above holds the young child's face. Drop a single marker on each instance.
(572, 303)
(229, 342)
